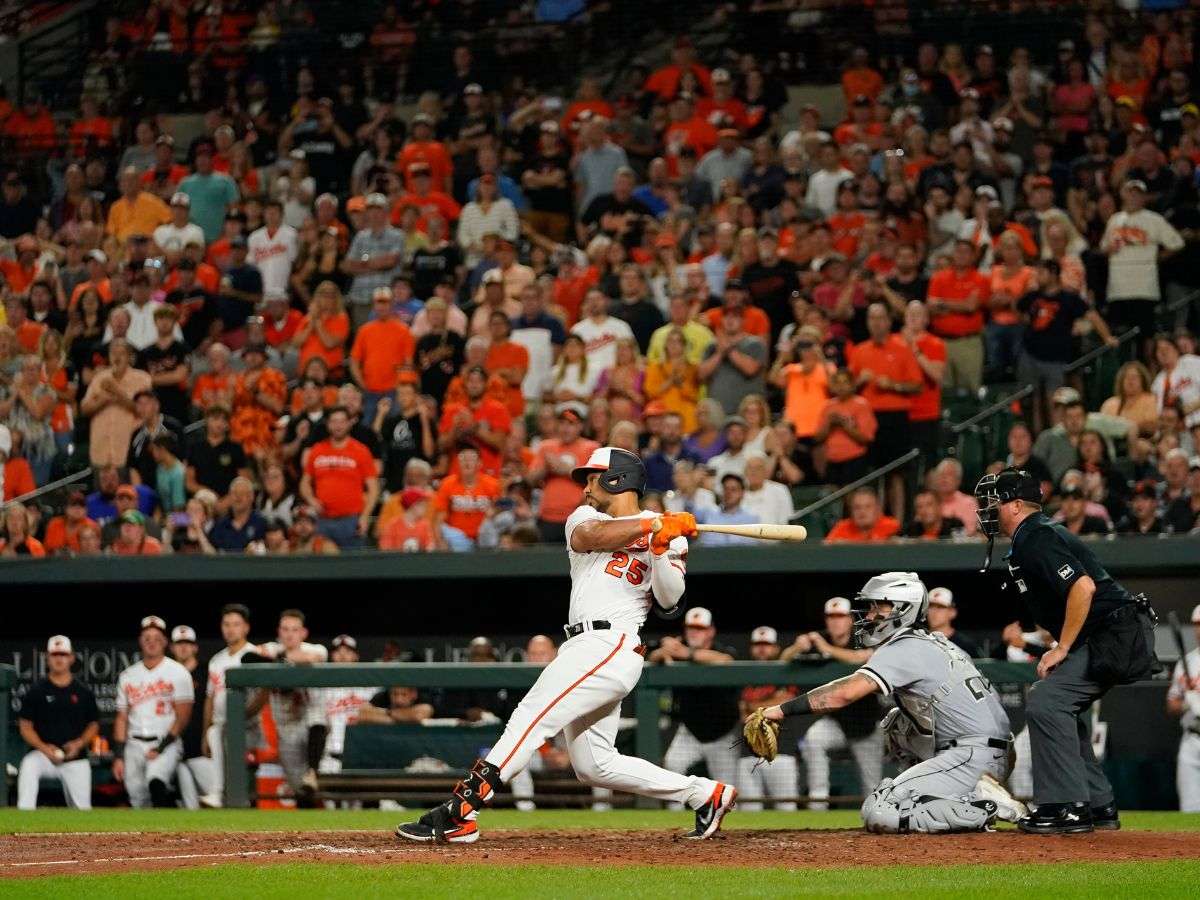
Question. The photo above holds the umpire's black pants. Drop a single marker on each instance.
(1065, 769)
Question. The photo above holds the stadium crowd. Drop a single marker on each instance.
(298, 313)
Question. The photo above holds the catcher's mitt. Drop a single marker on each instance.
(762, 735)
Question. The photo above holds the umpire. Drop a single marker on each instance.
(1105, 637)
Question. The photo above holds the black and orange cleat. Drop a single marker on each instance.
(709, 816)
(442, 825)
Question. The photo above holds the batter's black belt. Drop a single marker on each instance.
(598, 625)
(144, 737)
(994, 743)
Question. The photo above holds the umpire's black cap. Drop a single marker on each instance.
(1004, 487)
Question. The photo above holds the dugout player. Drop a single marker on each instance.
(781, 777)
(58, 720)
(1183, 700)
(708, 717)
(949, 728)
(624, 561)
(196, 774)
(235, 628)
(154, 703)
(1104, 637)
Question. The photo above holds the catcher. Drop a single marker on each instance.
(948, 726)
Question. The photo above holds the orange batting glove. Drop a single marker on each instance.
(673, 525)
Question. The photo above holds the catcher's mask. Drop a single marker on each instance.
(993, 491)
(619, 470)
(908, 598)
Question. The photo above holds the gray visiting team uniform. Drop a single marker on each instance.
(949, 722)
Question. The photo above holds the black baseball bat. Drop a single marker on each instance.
(1177, 633)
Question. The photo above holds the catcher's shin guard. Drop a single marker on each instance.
(453, 822)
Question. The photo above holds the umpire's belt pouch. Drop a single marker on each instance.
(1121, 647)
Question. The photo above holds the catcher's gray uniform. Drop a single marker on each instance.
(948, 724)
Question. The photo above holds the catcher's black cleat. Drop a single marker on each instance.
(440, 826)
(1106, 818)
(709, 816)
(1058, 818)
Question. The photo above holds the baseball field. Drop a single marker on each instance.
(57, 853)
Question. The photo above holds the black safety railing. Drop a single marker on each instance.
(1097, 368)
(818, 506)
(978, 440)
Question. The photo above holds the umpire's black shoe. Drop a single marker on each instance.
(1106, 818)
(1058, 818)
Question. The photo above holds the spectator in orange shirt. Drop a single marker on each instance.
(259, 397)
(323, 332)
(97, 280)
(859, 79)
(17, 541)
(686, 129)
(588, 99)
(802, 373)
(216, 386)
(1011, 280)
(425, 198)
(886, 373)
(411, 532)
(423, 148)
(62, 532)
(382, 347)
(340, 483)
(665, 81)
(845, 431)
(508, 360)
(925, 414)
(136, 211)
(865, 524)
(847, 223)
(20, 272)
(18, 476)
(723, 106)
(481, 423)
(133, 540)
(555, 459)
(860, 127)
(91, 132)
(465, 499)
(736, 297)
(27, 333)
(957, 295)
(31, 128)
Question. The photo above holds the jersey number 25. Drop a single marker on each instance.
(634, 574)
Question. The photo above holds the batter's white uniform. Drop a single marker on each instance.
(580, 692)
(1187, 763)
(220, 663)
(148, 698)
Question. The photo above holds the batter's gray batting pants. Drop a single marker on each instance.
(1065, 769)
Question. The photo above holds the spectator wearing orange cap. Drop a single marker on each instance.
(381, 347)
(410, 532)
(465, 498)
(555, 458)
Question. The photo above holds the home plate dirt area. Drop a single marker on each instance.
(45, 854)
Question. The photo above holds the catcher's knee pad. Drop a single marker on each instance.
(926, 815)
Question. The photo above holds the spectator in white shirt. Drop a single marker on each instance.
(172, 237)
(600, 331)
(142, 331)
(824, 183)
(769, 501)
(273, 248)
(488, 213)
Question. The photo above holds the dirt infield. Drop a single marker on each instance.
(46, 854)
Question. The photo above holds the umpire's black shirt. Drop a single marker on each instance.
(1045, 562)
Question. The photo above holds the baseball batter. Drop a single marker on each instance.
(1183, 700)
(620, 568)
(154, 702)
(949, 726)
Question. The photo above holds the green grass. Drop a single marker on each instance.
(1083, 880)
(65, 820)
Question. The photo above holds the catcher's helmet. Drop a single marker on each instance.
(619, 470)
(909, 601)
(1004, 487)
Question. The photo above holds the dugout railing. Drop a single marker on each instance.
(647, 698)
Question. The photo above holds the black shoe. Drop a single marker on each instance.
(440, 826)
(1106, 818)
(709, 816)
(1058, 818)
